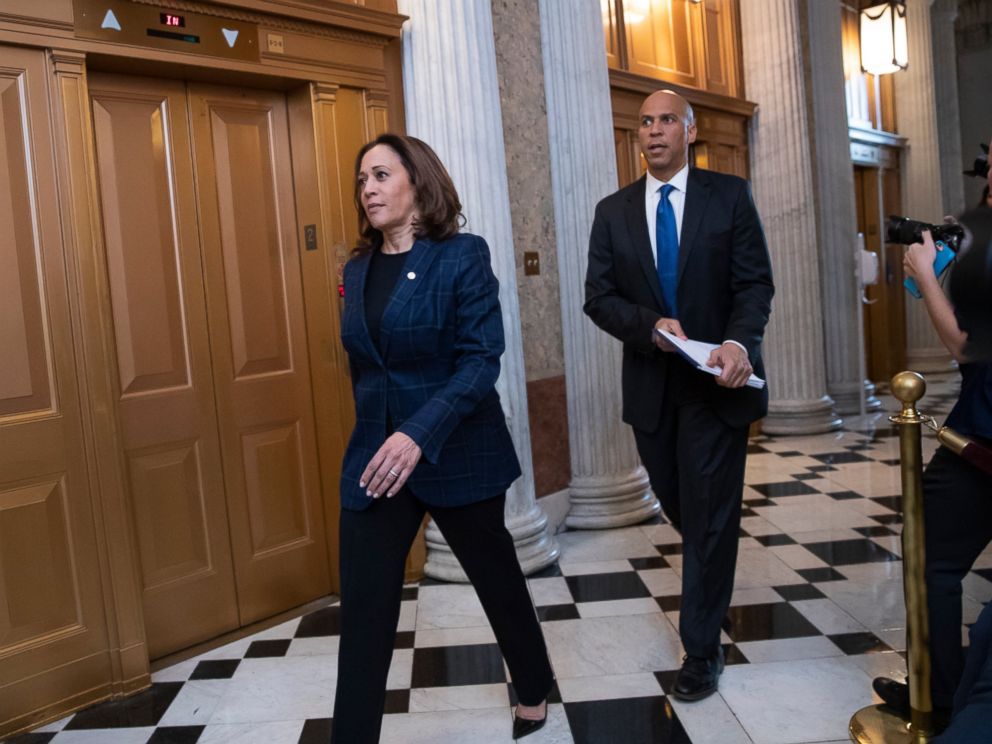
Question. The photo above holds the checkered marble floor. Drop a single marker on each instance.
(816, 613)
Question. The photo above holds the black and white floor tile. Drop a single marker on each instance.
(816, 613)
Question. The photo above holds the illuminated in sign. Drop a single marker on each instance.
(171, 19)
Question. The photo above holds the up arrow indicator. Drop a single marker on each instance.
(110, 21)
(231, 35)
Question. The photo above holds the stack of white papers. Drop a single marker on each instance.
(697, 353)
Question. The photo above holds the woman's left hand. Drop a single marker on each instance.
(388, 470)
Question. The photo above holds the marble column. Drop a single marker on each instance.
(922, 182)
(945, 73)
(783, 184)
(837, 216)
(608, 487)
(451, 95)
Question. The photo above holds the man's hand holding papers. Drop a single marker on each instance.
(670, 326)
(727, 362)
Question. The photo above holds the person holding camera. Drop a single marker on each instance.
(957, 498)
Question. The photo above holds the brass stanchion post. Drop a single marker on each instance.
(876, 724)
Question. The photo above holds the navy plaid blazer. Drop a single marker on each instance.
(434, 380)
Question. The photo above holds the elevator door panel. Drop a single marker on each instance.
(165, 384)
(259, 347)
(53, 633)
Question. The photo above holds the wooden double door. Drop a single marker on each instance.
(214, 392)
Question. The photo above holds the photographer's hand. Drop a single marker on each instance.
(917, 262)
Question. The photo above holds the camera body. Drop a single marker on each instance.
(904, 230)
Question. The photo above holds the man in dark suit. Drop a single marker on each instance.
(682, 250)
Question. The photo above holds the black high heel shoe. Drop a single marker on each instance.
(525, 726)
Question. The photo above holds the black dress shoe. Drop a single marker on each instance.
(895, 695)
(525, 726)
(698, 677)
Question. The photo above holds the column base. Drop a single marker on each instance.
(801, 417)
(536, 547)
(847, 397)
(611, 501)
(930, 361)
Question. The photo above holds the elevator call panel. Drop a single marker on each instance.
(163, 28)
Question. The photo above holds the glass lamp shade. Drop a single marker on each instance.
(883, 38)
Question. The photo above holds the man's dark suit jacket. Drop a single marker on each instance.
(434, 379)
(724, 290)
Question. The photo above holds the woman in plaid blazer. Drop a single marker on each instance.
(424, 334)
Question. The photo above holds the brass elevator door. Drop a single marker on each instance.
(259, 344)
(214, 392)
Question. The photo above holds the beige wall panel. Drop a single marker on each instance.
(661, 45)
(53, 599)
(38, 587)
(25, 382)
(258, 336)
(165, 400)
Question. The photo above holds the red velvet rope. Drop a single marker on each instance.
(978, 455)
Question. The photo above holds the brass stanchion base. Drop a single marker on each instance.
(877, 725)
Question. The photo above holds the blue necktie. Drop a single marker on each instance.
(667, 240)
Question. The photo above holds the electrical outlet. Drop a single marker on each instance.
(532, 263)
(275, 43)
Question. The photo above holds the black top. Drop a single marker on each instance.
(972, 414)
(384, 272)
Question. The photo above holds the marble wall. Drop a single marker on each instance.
(517, 33)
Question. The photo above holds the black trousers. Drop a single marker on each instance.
(374, 546)
(957, 509)
(972, 722)
(696, 466)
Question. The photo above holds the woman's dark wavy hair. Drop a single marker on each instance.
(438, 208)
